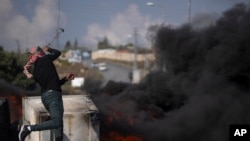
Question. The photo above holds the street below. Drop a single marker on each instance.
(114, 72)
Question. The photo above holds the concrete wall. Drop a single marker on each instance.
(80, 119)
(121, 56)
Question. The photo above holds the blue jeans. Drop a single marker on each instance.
(52, 101)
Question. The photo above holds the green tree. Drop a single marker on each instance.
(11, 69)
(75, 44)
(67, 45)
(104, 44)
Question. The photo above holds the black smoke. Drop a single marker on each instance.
(204, 89)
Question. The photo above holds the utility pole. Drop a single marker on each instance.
(136, 72)
(135, 49)
(163, 9)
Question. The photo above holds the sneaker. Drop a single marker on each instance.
(24, 132)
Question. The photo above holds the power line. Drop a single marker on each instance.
(58, 23)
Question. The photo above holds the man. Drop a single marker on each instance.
(46, 76)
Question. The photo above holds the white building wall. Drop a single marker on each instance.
(80, 118)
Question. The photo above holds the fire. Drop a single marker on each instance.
(116, 115)
(15, 103)
(115, 136)
(15, 107)
(130, 120)
(114, 125)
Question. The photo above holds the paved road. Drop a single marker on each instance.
(114, 72)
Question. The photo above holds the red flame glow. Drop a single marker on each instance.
(15, 107)
(115, 136)
(111, 127)
(15, 104)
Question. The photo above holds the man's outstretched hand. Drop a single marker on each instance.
(70, 76)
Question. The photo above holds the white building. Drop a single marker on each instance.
(81, 118)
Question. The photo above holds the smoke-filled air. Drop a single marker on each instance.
(200, 86)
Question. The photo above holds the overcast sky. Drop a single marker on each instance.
(35, 22)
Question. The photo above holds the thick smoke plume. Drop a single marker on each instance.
(203, 91)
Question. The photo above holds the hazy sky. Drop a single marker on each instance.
(35, 22)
